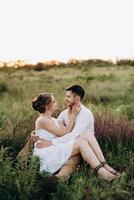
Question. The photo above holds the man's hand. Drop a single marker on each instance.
(44, 143)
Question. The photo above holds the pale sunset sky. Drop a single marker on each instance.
(38, 30)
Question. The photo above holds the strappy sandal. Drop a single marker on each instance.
(97, 168)
(114, 172)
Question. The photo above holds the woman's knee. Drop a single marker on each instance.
(87, 136)
(84, 136)
(81, 142)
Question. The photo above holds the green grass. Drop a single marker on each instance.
(109, 94)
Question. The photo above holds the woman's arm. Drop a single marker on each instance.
(84, 123)
(59, 131)
(52, 128)
(61, 125)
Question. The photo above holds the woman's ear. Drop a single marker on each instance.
(46, 108)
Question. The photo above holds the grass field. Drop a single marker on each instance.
(110, 96)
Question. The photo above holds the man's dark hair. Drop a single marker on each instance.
(77, 89)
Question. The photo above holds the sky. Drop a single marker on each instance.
(38, 30)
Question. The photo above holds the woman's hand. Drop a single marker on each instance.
(43, 143)
(75, 110)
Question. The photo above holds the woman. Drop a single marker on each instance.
(52, 158)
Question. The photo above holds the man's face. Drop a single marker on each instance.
(71, 99)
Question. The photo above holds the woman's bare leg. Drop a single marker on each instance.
(82, 146)
(96, 148)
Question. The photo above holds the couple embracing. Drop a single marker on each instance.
(59, 142)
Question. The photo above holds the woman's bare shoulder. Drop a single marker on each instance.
(41, 121)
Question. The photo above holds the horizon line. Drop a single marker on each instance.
(66, 60)
(21, 63)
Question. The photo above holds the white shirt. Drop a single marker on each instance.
(84, 123)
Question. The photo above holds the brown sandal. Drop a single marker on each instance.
(114, 172)
(97, 168)
(103, 163)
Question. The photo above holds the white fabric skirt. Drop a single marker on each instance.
(52, 158)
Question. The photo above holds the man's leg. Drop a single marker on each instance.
(69, 167)
(23, 154)
(25, 151)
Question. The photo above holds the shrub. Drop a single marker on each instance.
(117, 129)
(126, 110)
(105, 99)
(85, 78)
(39, 67)
(104, 77)
(130, 111)
(3, 88)
(125, 62)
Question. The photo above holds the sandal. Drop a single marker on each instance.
(107, 176)
(114, 172)
(103, 163)
(97, 168)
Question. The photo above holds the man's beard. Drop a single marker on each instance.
(71, 105)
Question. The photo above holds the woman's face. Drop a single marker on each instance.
(53, 106)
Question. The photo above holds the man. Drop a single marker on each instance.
(84, 122)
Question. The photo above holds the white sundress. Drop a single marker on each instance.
(52, 158)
